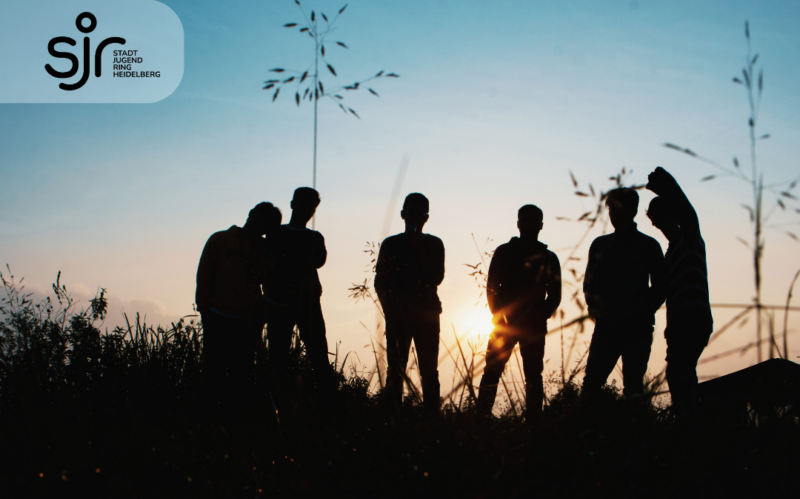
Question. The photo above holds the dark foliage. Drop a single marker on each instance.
(124, 414)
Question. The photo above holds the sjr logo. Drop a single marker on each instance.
(51, 48)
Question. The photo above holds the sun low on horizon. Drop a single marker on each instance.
(473, 323)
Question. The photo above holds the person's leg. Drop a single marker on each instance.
(683, 351)
(243, 341)
(279, 339)
(532, 350)
(426, 339)
(213, 354)
(604, 351)
(311, 324)
(635, 356)
(398, 343)
(498, 351)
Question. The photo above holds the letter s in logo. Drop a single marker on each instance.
(51, 48)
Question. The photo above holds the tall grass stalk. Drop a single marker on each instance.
(781, 192)
(318, 28)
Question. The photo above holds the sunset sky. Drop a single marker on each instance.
(497, 102)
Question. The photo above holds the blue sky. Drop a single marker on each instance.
(496, 103)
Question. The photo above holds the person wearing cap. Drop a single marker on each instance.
(623, 290)
(523, 291)
(689, 319)
(410, 267)
(230, 300)
(296, 252)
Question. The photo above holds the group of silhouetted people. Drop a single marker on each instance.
(266, 273)
(628, 278)
(261, 273)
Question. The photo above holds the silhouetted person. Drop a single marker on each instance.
(622, 289)
(296, 253)
(689, 320)
(523, 291)
(410, 267)
(230, 301)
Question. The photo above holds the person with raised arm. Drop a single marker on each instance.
(689, 319)
(523, 291)
(410, 267)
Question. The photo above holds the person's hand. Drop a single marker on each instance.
(660, 182)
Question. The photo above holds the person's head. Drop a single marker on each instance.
(415, 211)
(529, 221)
(304, 203)
(623, 204)
(661, 216)
(263, 217)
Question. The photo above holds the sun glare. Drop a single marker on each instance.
(475, 321)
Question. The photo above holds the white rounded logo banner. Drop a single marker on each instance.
(89, 51)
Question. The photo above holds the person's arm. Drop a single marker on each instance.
(206, 272)
(553, 300)
(494, 280)
(431, 262)
(268, 262)
(320, 254)
(658, 290)
(383, 272)
(589, 280)
(268, 275)
(665, 185)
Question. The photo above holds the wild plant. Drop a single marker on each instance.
(760, 211)
(318, 28)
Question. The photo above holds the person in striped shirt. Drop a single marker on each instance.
(689, 319)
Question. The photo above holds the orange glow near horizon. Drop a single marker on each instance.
(474, 322)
